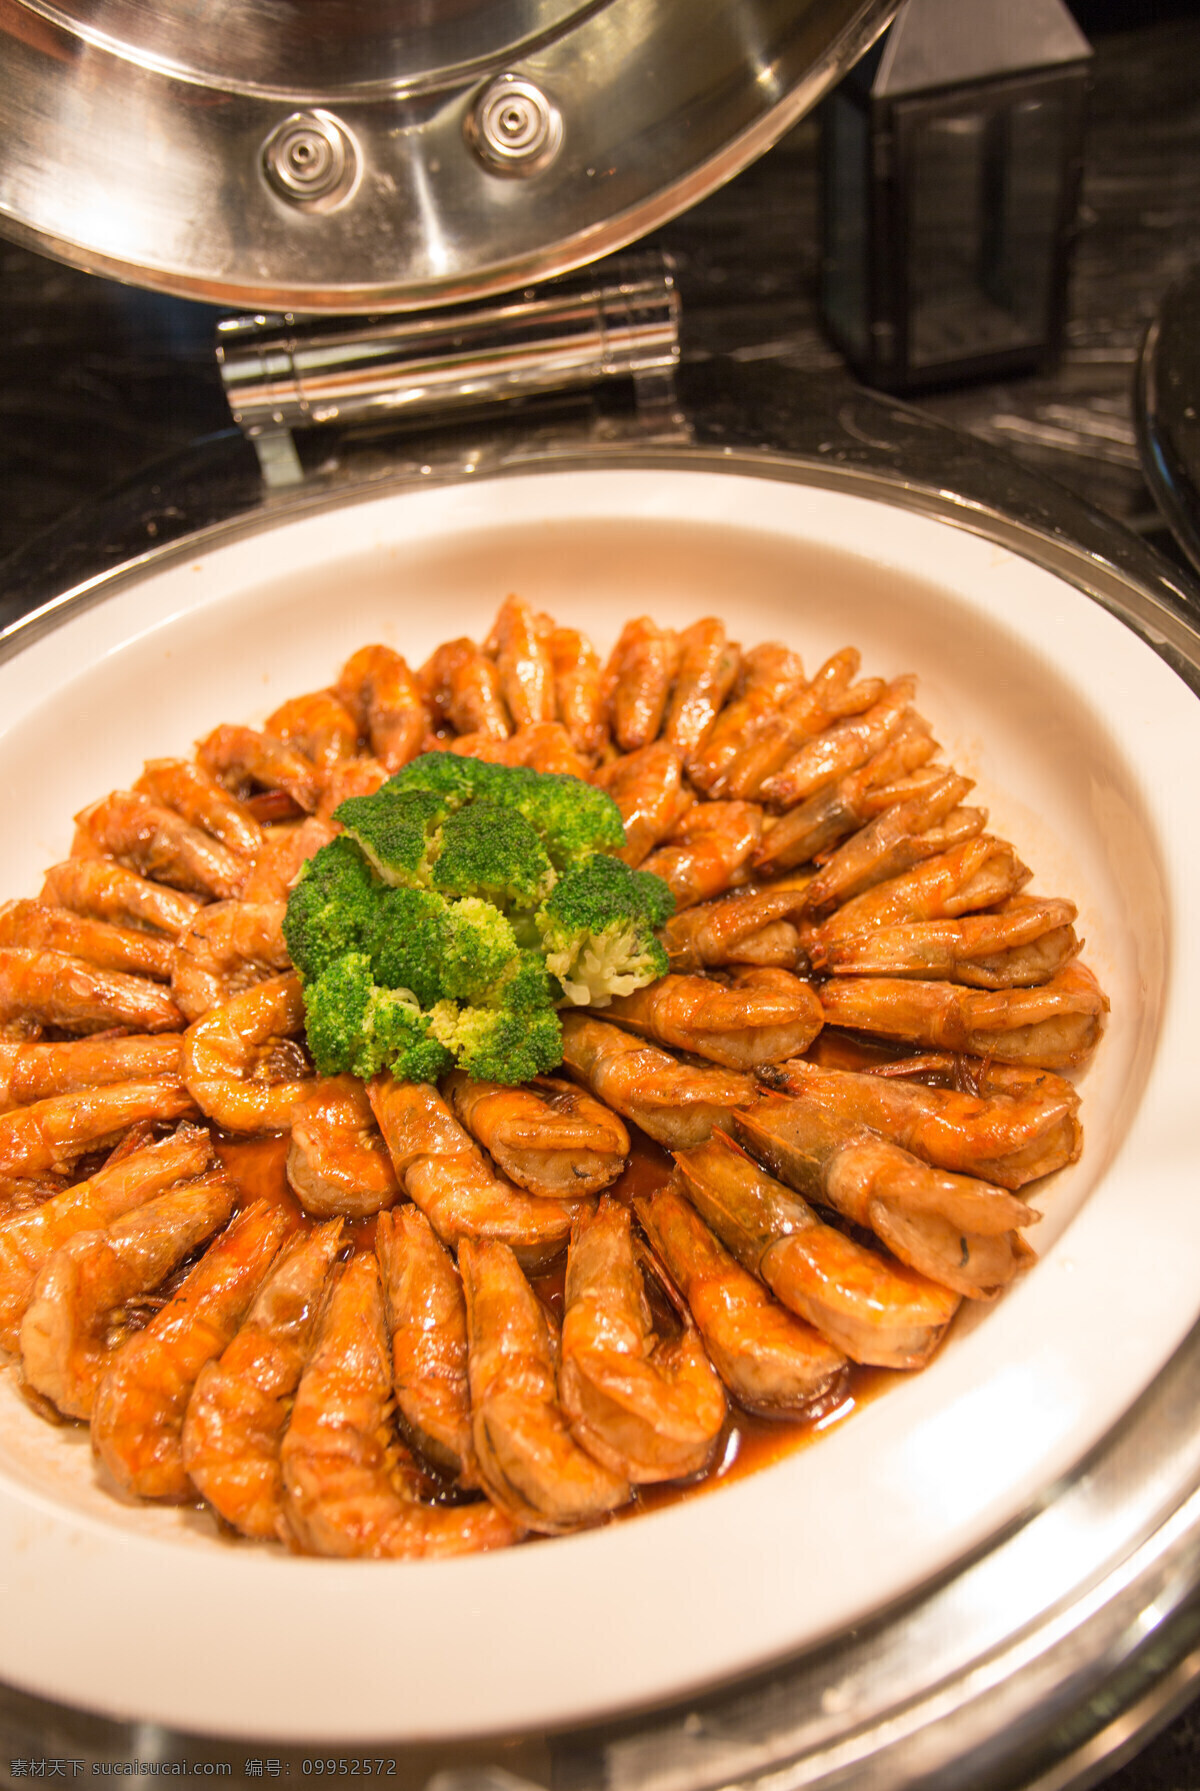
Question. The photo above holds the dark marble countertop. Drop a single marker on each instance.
(97, 381)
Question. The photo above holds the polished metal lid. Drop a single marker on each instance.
(383, 154)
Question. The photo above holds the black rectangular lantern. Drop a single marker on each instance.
(951, 159)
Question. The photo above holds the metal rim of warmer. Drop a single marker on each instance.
(531, 137)
(968, 1681)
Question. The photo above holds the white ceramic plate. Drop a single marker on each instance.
(1084, 746)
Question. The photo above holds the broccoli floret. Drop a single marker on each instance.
(502, 1045)
(397, 830)
(570, 817)
(353, 1024)
(490, 851)
(409, 940)
(332, 908)
(597, 930)
(478, 950)
(456, 779)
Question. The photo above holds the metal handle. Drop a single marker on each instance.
(283, 373)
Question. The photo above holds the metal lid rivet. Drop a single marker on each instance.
(311, 159)
(513, 127)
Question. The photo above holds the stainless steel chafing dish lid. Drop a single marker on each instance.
(375, 154)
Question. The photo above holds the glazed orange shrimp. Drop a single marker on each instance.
(319, 725)
(239, 1063)
(769, 675)
(921, 824)
(817, 825)
(543, 746)
(709, 850)
(239, 1407)
(752, 926)
(58, 990)
(337, 1161)
(109, 892)
(528, 1460)
(1023, 942)
(645, 1407)
(676, 1103)
(876, 1311)
(441, 1169)
(1010, 1135)
(773, 1363)
(63, 1342)
(638, 680)
(647, 787)
(708, 666)
(749, 1017)
(463, 688)
(199, 798)
(343, 1493)
(805, 712)
(547, 1135)
(956, 1229)
(979, 873)
(229, 947)
(348, 777)
(523, 661)
(578, 689)
(159, 844)
(1056, 1026)
(382, 694)
(29, 1239)
(98, 942)
(844, 747)
(47, 1136)
(427, 1319)
(286, 850)
(243, 760)
(142, 1398)
(35, 1072)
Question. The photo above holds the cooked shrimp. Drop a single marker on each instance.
(877, 1311)
(955, 1229)
(1009, 1136)
(1023, 942)
(637, 682)
(286, 850)
(910, 831)
(349, 777)
(48, 1136)
(977, 874)
(752, 1016)
(243, 760)
(199, 798)
(34, 1072)
(772, 1362)
(547, 1136)
(110, 892)
(463, 688)
(709, 850)
(1056, 1026)
(753, 926)
(58, 990)
(647, 787)
(523, 661)
(427, 1319)
(819, 824)
(441, 1169)
(343, 1493)
(157, 843)
(769, 674)
(543, 746)
(240, 1404)
(319, 725)
(64, 1349)
(578, 689)
(382, 694)
(676, 1103)
(132, 949)
(142, 1398)
(29, 1239)
(841, 748)
(229, 947)
(805, 712)
(337, 1161)
(708, 665)
(528, 1460)
(647, 1408)
(238, 1064)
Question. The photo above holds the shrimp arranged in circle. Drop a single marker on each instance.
(337, 1160)
(237, 1063)
(548, 1136)
(383, 695)
(229, 947)
(754, 1016)
(56, 989)
(427, 1319)
(678, 1104)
